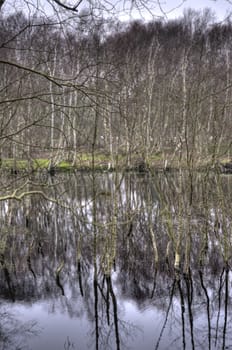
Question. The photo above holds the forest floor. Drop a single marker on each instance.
(103, 162)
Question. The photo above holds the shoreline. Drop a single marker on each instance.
(102, 163)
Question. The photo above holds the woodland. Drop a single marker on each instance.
(156, 92)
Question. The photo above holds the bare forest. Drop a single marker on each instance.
(152, 91)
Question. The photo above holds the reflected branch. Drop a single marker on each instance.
(208, 307)
(58, 271)
(167, 313)
(182, 305)
(226, 307)
(221, 282)
(80, 277)
(115, 311)
(7, 278)
(188, 282)
(95, 287)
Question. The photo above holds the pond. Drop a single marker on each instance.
(117, 261)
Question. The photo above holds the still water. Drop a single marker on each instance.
(117, 261)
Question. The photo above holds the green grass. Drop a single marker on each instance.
(11, 163)
(40, 163)
(64, 165)
(84, 162)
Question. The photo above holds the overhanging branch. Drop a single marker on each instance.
(67, 7)
(31, 70)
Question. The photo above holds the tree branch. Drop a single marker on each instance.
(69, 8)
(1, 3)
(27, 69)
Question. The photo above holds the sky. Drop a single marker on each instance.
(174, 8)
(171, 8)
(221, 7)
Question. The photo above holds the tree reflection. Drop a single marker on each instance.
(141, 238)
(13, 333)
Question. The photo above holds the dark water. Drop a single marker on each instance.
(117, 262)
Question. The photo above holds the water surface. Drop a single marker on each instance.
(118, 261)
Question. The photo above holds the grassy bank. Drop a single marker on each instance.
(103, 163)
